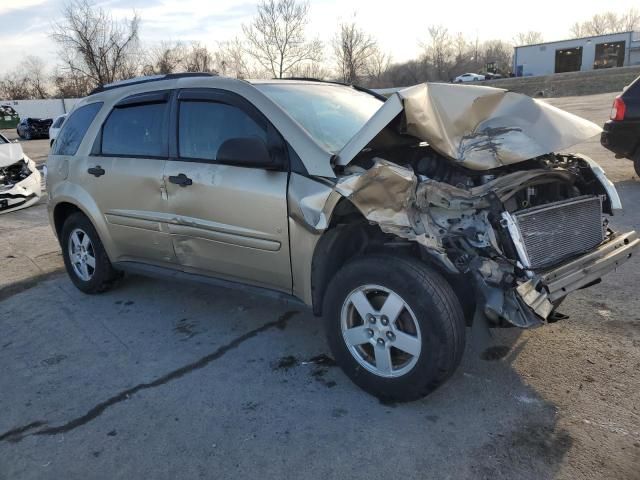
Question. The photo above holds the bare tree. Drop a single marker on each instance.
(231, 59)
(607, 22)
(198, 59)
(311, 70)
(95, 45)
(438, 50)
(35, 77)
(276, 36)
(377, 68)
(164, 58)
(498, 53)
(353, 49)
(69, 85)
(528, 38)
(14, 87)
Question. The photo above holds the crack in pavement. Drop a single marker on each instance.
(17, 434)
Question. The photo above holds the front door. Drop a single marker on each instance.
(124, 174)
(227, 220)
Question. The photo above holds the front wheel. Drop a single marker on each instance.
(394, 325)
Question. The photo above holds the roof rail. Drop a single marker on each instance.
(335, 82)
(149, 78)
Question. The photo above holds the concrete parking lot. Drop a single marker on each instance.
(162, 380)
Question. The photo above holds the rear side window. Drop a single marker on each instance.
(75, 128)
(204, 126)
(136, 131)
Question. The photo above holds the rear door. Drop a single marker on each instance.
(227, 219)
(124, 174)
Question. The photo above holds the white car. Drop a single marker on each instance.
(55, 128)
(468, 77)
(20, 185)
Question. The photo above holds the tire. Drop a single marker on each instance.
(101, 276)
(636, 164)
(430, 317)
(27, 135)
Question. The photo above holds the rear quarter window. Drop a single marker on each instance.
(75, 128)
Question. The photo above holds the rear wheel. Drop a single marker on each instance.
(394, 325)
(84, 256)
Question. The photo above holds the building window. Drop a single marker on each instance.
(609, 55)
(568, 60)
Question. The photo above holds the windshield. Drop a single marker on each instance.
(331, 114)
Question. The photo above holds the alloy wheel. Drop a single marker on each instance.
(82, 254)
(380, 331)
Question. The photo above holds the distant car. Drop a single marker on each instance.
(621, 134)
(30, 128)
(19, 178)
(493, 76)
(55, 127)
(468, 77)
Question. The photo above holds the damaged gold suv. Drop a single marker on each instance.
(399, 220)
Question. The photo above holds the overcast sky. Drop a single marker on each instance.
(399, 25)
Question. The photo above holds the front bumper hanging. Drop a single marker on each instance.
(543, 290)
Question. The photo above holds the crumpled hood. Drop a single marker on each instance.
(10, 153)
(477, 127)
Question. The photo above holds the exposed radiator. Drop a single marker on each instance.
(553, 232)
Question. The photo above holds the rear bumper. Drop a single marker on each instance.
(621, 137)
(542, 291)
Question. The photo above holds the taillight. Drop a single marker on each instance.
(618, 109)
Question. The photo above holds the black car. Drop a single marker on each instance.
(621, 134)
(29, 128)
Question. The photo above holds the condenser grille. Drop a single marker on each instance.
(556, 231)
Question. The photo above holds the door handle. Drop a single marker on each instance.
(96, 171)
(181, 179)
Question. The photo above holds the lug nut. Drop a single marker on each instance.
(391, 336)
(384, 320)
(380, 341)
(371, 318)
(369, 332)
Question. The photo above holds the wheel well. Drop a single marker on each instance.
(60, 213)
(351, 235)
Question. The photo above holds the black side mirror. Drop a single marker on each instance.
(246, 152)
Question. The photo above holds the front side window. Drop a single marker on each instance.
(204, 126)
(75, 128)
(136, 131)
(331, 114)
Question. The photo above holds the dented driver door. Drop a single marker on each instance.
(226, 219)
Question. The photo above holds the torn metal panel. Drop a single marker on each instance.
(477, 127)
(384, 193)
(311, 200)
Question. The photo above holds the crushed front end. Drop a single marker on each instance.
(20, 185)
(524, 235)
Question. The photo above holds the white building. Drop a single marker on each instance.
(49, 108)
(578, 54)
